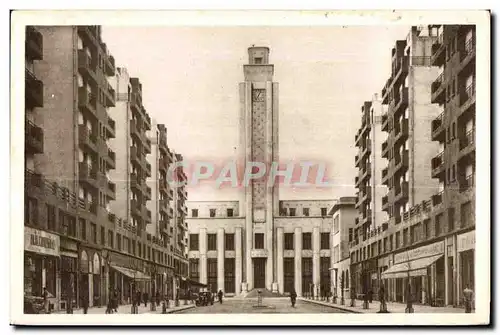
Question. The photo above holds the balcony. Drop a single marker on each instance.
(87, 101)
(148, 193)
(148, 215)
(402, 162)
(397, 218)
(135, 131)
(438, 52)
(437, 165)
(87, 174)
(33, 90)
(467, 183)
(437, 199)
(86, 65)
(33, 44)
(386, 90)
(437, 129)
(148, 169)
(367, 171)
(162, 186)
(367, 215)
(385, 122)
(401, 193)
(164, 227)
(401, 132)
(135, 208)
(111, 159)
(135, 157)
(468, 96)
(163, 164)
(469, 51)
(163, 203)
(401, 102)
(86, 139)
(385, 201)
(367, 148)
(147, 144)
(33, 138)
(367, 193)
(356, 161)
(136, 102)
(467, 143)
(111, 127)
(385, 149)
(110, 66)
(356, 181)
(401, 69)
(385, 174)
(88, 34)
(110, 96)
(438, 90)
(135, 182)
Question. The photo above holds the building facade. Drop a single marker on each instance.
(77, 173)
(430, 231)
(259, 241)
(344, 214)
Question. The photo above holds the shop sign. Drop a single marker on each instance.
(466, 241)
(425, 251)
(68, 245)
(41, 242)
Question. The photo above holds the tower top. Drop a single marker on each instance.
(258, 55)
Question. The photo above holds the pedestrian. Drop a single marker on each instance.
(115, 300)
(85, 302)
(468, 294)
(109, 305)
(381, 297)
(46, 304)
(145, 296)
(220, 294)
(293, 297)
(158, 298)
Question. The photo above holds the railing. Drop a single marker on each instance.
(437, 83)
(437, 198)
(468, 93)
(469, 48)
(421, 60)
(437, 122)
(468, 139)
(437, 161)
(468, 183)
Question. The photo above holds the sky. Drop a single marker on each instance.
(190, 79)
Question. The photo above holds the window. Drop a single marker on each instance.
(93, 232)
(212, 274)
(288, 241)
(336, 224)
(212, 241)
(229, 242)
(118, 242)
(31, 211)
(336, 255)
(323, 211)
(103, 236)
(405, 237)
(451, 219)
(110, 239)
(283, 212)
(83, 229)
(212, 212)
(453, 173)
(259, 241)
(292, 211)
(229, 212)
(305, 211)
(306, 241)
(258, 60)
(194, 242)
(51, 217)
(229, 275)
(466, 217)
(437, 227)
(325, 241)
(350, 235)
(194, 269)
(133, 248)
(194, 213)
(427, 229)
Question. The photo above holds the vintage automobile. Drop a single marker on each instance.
(205, 299)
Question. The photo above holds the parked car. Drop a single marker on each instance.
(33, 305)
(205, 299)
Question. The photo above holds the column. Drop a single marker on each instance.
(203, 256)
(279, 259)
(91, 290)
(316, 260)
(269, 189)
(248, 190)
(220, 258)
(298, 260)
(446, 272)
(237, 261)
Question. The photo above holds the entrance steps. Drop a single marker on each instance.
(265, 293)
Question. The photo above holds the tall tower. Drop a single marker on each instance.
(259, 143)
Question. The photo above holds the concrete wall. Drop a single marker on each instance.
(121, 145)
(58, 116)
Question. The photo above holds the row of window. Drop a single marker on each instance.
(91, 232)
(259, 241)
(305, 211)
(213, 212)
(416, 233)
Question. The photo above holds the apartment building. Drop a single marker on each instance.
(370, 164)
(344, 213)
(84, 221)
(423, 243)
(454, 129)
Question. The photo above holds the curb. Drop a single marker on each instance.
(183, 308)
(342, 308)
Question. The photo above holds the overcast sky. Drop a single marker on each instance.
(190, 79)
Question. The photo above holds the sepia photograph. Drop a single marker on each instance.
(263, 168)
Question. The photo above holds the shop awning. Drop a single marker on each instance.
(415, 268)
(196, 284)
(133, 274)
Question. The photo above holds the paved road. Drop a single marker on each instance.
(274, 305)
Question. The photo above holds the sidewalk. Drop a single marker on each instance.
(392, 307)
(126, 309)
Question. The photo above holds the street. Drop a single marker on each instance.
(274, 305)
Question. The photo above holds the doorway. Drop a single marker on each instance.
(259, 272)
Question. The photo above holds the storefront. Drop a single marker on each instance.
(423, 269)
(83, 280)
(127, 275)
(465, 248)
(69, 273)
(41, 262)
